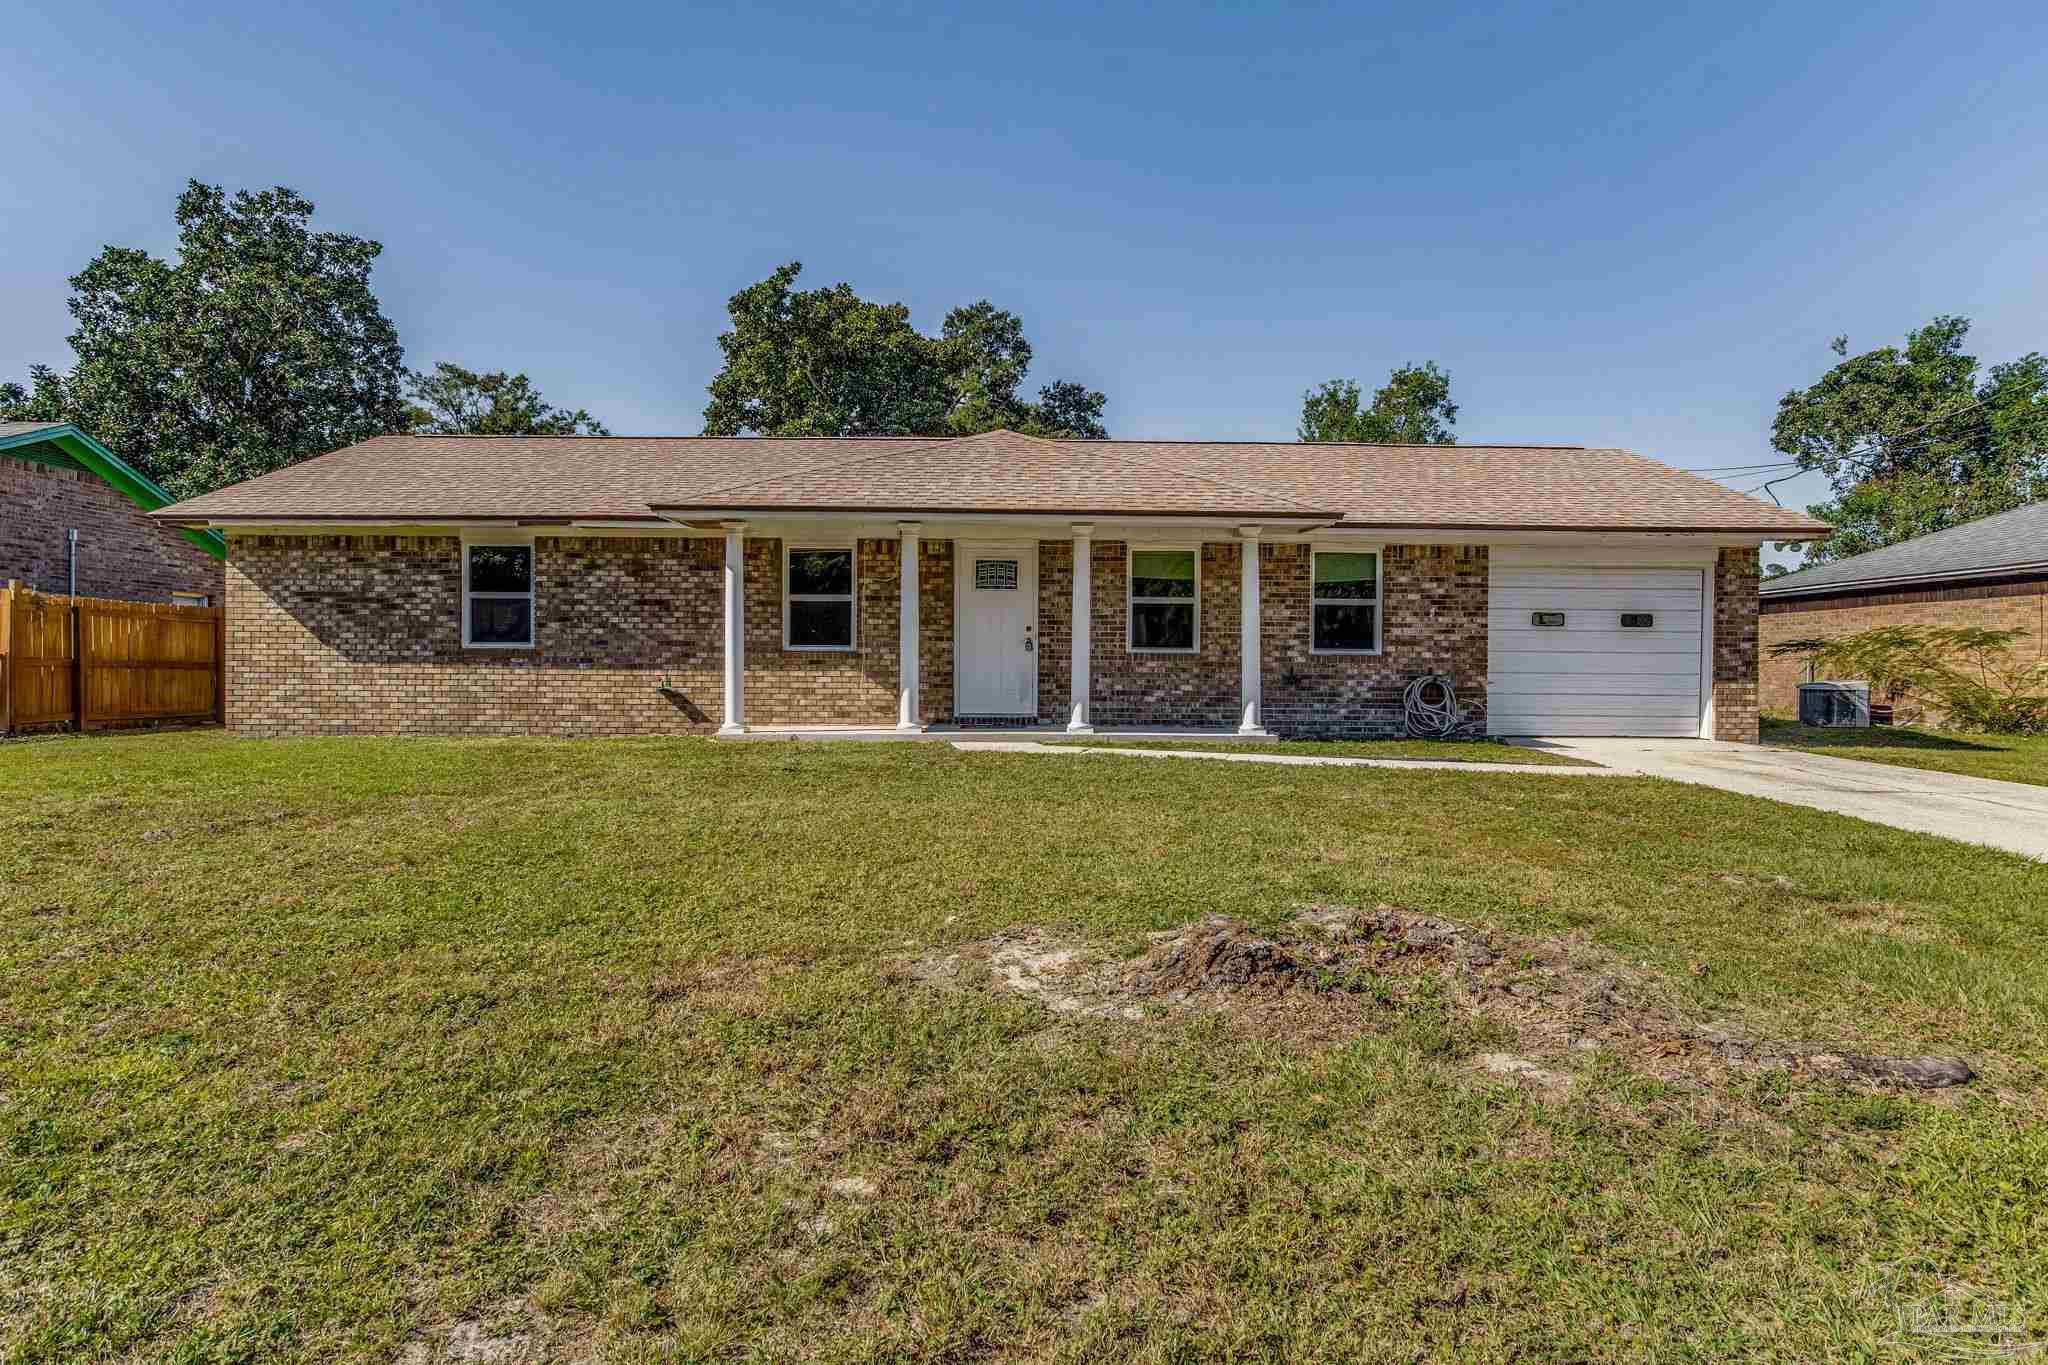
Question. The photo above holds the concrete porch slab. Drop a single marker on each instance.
(1029, 746)
(954, 733)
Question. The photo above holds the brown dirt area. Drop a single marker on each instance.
(1341, 967)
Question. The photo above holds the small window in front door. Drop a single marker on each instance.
(995, 575)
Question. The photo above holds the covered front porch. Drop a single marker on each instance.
(996, 627)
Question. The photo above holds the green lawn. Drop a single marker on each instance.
(335, 1049)
(2010, 758)
(1444, 751)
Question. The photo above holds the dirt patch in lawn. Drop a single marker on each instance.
(1341, 969)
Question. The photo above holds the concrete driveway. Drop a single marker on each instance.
(1976, 810)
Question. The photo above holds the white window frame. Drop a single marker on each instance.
(1379, 599)
(851, 596)
(1132, 601)
(191, 599)
(502, 541)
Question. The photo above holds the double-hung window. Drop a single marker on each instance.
(817, 598)
(1346, 602)
(497, 596)
(1165, 601)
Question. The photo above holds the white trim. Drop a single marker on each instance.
(734, 599)
(908, 606)
(1131, 599)
(1250, 614)
(1665, 555)
(851, 596)
(1379, 598)
(502, 540)
(1708, 588)
(1081, 631)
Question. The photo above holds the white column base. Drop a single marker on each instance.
(1255, 731)
(728, 731)
(1078, 728)
(909, 728)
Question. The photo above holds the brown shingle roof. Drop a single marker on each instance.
(545, 478)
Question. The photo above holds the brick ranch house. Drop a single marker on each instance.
(56, 480)
(1992, 572)
(571, 585)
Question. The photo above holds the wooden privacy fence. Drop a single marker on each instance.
(91, 661)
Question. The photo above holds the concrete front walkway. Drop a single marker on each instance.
(1976, 810)
(1016, 746)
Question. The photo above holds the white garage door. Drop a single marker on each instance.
(1593, 651)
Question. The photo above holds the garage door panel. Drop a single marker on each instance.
(1616, 662)
(1645, 727)
(1603, 600)
(1593, 676)
(1602, 704)
(1666, 580)
(1596, 655)
(1525, 638)
(1682, 619)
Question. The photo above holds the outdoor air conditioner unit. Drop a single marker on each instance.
(1838, 704)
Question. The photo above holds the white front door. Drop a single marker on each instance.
(995, 607)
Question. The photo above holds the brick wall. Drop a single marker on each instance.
(935, 631)
(362, 634)
(814, 687)
(1126, 688)
(121, 552)
(1433, 619)
(1735, 645)
(2013, 604)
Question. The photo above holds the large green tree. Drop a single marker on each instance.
(452, 401)
(826, 362)
(1414, 407)
(1918, 438)
(260, 344)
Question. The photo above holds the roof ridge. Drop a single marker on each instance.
(1366, 445)
(702, 495)
(1211, 479)
(826, 465)
(618, 436)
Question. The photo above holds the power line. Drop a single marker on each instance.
(1768, 485)
(1741, 468)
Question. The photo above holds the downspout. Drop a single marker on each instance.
(74, 561)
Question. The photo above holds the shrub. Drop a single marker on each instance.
(1969, 673)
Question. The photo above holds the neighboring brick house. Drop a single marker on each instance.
(1992, 572)
(619, 585)
(54, 480)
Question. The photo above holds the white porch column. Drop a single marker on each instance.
(907, 604)
(1248, 632)
(1081, 632)
(735, 629)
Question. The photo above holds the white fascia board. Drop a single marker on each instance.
(312, 527)
(1597, 554)
(993, 526)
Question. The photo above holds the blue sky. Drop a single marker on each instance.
(1614, 224)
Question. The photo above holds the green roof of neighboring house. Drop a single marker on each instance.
(65, 446)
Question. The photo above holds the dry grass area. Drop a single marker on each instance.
(438, 1051)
